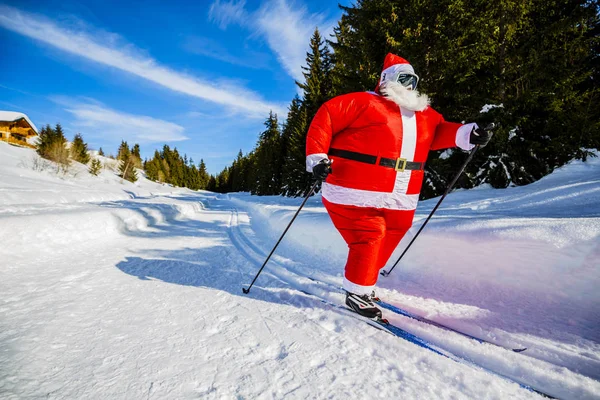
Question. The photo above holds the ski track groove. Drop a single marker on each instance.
(232, 228)
(294, 279)
(277, 270)
(238, 239)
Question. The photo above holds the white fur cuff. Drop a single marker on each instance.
(357, 289)
(463, 136)
(314, 159)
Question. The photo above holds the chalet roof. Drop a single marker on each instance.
(13, 116)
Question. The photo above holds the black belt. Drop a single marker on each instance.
(399, 164)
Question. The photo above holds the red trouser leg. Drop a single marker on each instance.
(397, 223)
(372, 235)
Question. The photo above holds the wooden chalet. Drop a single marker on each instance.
(16, 128)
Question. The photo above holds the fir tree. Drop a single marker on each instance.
(128, 162)
(212, 184)
(52, 145)
(537, 61)
(44, 140)
(507, 52)
(95, 167)
(127, 170)
(203, 175)
(101, 152)
(237, 173)
(168, 166)
(79, 150)
(268, 159)
(317, 89)
(123, 153)
(295, 178)
(317, 86)
(135, 153)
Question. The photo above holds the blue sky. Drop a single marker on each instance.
(198, 75)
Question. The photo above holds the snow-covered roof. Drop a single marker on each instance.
(15, 116)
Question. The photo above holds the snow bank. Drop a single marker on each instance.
(116, 290)
(28, 182)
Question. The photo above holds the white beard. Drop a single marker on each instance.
(409, 99)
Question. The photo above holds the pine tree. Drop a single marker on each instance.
(101, 152)
(152, 167)
(268, 159)
(58, 149)
(127, 169)
(212, 184)
(52, 145)
(79, 150)
(536, 61)
(168, 166)
(44, 140)
(135, 151)
(123, 152)
(204, 176)
(95, 167)
(317, 89)
(236, 175)
(534, 58)
(137, 158)
(295, 178)
(317, 86)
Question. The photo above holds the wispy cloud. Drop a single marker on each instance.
(287, 27)
(109, 49)
(213, 49)
(99, 119)
(224, 13)
(288, 31)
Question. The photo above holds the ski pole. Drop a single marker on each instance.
(471, 154)
(310, 192)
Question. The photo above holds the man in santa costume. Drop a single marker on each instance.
(371, 148)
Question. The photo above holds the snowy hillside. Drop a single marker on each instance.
(116, 290)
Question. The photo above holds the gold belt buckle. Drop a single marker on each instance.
(398, 161)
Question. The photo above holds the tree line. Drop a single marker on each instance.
(530, 66)
(167, 166)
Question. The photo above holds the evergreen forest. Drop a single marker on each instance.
(529, 66)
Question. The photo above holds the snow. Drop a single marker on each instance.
(110, 289)
(14, 116)
(486, 108)
(446, 154)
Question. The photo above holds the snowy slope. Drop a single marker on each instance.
(116, 290)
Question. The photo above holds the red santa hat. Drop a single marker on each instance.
(392, 66)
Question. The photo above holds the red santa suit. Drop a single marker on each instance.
(379, 151)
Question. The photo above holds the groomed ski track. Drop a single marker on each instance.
(170, 321)
(480, 354)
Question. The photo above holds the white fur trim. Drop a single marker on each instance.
(409, 134)
(463, 136)
(402, 181)
(357, 289)
(314, 159)
(366, 198)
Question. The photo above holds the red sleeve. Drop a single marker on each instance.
(333, 117)
(445, 133)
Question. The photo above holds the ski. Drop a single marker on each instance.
(428, 321)
(384, 325)
(399, 332)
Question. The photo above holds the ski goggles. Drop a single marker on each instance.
(408, 80)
